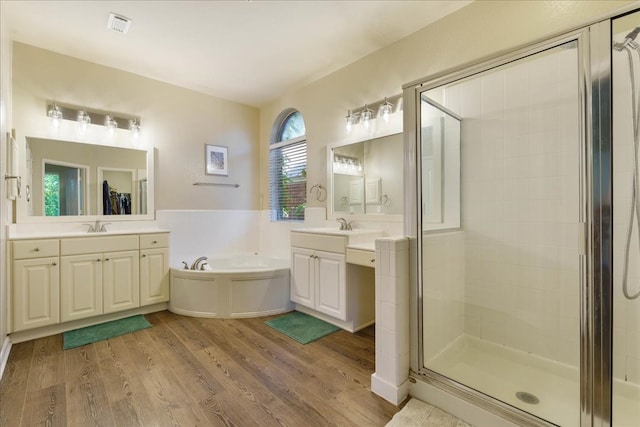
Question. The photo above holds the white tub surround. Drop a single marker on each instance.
(390, 380)
(323, 285)
(62, 280)
(235, 287)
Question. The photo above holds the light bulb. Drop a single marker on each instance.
(55, 115)
(111, 125)
(349, 119)
(83, 120)
(386, 109)
(135, 128)
(366, 117)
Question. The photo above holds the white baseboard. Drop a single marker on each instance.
(390, 392)
(58, 328)
(4, 354)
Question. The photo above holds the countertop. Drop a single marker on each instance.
(70, 234)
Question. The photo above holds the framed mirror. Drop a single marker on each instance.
(366, 179)
(69, 180)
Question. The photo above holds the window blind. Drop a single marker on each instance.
(288, 180)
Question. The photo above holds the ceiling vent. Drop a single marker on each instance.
(118, 23)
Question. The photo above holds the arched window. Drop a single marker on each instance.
(288, 167)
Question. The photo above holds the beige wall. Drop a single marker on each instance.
(177, 122)
(480, 29)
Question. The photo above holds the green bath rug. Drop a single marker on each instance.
(104, 331)
(302, 327)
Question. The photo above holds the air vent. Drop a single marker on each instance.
(118, 23)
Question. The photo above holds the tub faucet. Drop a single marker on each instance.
(344, 225)
(196, 263)
(186, 266)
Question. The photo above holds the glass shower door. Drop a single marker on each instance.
(500, 308)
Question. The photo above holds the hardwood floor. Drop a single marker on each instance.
(195, 372)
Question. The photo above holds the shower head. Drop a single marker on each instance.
(629, 40)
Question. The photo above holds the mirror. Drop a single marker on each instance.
(67, 179)
(439, 165)
(367, 177)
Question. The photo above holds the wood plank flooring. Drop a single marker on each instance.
(195, 372)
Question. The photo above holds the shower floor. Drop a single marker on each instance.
(502, 372)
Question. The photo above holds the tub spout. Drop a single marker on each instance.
(196, 263)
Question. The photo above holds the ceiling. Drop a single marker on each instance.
(245, 51)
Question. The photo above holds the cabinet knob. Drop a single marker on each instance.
(98, 260)
(144, 255)
(54, 264)
(36, 249)
(154, 242)
(373, 260)
(106, 259)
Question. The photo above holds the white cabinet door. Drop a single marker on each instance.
(81, 286)
(154, 276)
(302, 280)
(121, 281)
(36, 293)
(331, 293)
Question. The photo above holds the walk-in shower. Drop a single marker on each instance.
(525, 302)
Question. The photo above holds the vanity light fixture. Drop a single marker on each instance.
(367, 115)
(55, 115)
(386, 109)
(85, 116)
(83, 120)
(111, 124)
(383, 109)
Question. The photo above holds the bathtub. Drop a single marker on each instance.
(243, 285)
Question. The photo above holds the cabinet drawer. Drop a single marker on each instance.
(156, 240)
(87, 245)
(25, 249)
(320, 242)
(361, 257)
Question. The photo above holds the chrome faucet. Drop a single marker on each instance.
(196, 263)
(344, 225)
(97, 227)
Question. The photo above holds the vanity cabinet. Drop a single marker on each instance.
(96, 282)
(65, 279)
(319, 281)
(154, 268)
(324, 285)
(35, 285)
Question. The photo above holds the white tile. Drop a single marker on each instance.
(385, 366)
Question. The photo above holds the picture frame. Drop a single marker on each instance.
(216, 160)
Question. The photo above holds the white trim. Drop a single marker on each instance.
(32, 334)
(4, 354)
(392, 393)
(455, 406)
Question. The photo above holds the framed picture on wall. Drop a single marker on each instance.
(216, 160)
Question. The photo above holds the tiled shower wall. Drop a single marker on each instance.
(444, 291)
(626, 320)
(520, 203)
